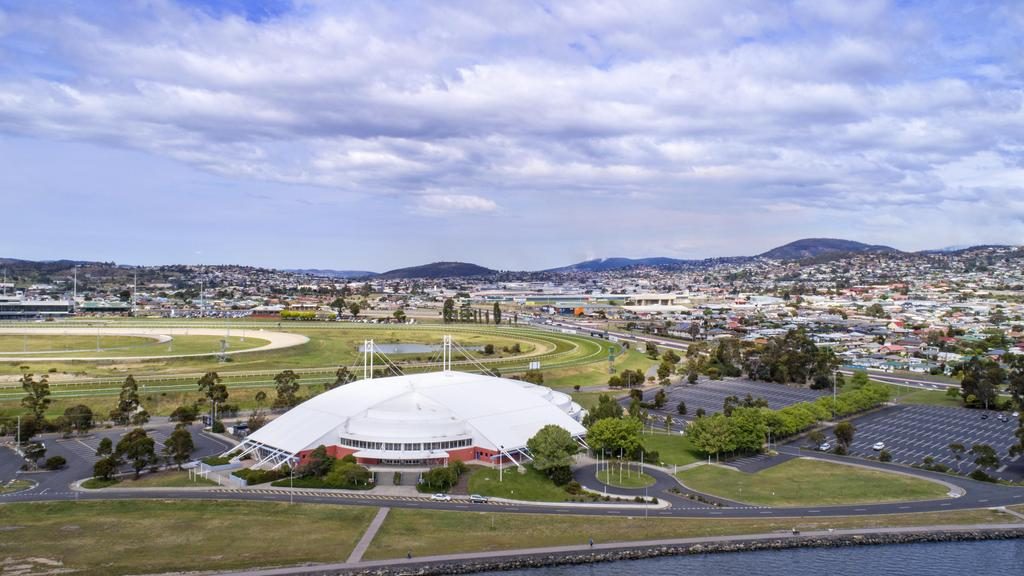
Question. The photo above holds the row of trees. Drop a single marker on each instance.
(138, 449)
(746, 428)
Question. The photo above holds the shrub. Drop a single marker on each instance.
(347, 475)
(573, 487)
(560, 475)
(253, 477)
(55, 463)
(218, 427)
(885, 456)
(981, 476)
(397, 478)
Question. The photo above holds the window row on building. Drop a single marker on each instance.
(410, 446)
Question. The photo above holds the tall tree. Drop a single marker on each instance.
(616, 435)
(606, 407)
(552, 447)
(127, 402)
(342, 376)
(497, 314)
(981, 381)
(179, 446)
(448, 311)
(78, 418)
(37, 396)
(844, 434)
(985, 456)
(214, 391)
(287, 389)
(138, 449)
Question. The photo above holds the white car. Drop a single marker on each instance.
(825, 447)
(1015, 414)
(439, 497)
(878, 446)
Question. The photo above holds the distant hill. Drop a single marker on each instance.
(606, 264)
(438, 270)
(815, 247)
(325, 273)
(962, 249)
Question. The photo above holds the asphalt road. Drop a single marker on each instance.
(976, 495)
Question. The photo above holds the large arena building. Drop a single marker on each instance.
(418, 420)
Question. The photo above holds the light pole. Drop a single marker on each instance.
(500, 456)
(291, 484)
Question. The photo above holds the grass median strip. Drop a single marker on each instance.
(135, 537)
(803, 482)
(429, 532)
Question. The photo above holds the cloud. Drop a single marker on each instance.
(840, 109)
(443, 204)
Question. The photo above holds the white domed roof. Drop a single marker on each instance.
(493, 412)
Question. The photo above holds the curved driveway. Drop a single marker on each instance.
(977, 495)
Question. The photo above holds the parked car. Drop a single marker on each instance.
(1003, 418)
(477, 499)
(878, 446)
(1015, 414)
(825, 447)
(984, 416)
(440, 497)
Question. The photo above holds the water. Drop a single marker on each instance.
(1003, 557)
(412, 348)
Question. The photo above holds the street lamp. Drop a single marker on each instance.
(501, 455)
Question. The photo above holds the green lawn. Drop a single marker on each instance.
(144, 537)
(428, 532)
(97, 483)
(532, 486)
(596, 373)
(929, 398)
(14, 486)
(163, 479)
(803, 482)
(628, 478)
(672, 449)
(35, 343)
(166, 479)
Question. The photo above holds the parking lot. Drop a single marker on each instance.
(911, 433)
(711, 394)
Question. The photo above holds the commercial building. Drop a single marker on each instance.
(17, 308)
(418, 420)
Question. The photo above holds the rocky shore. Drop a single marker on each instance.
(501, 563)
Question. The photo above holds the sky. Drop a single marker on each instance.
(517, 135)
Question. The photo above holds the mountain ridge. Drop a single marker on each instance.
(438, 270)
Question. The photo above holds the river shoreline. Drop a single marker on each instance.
(511, 560)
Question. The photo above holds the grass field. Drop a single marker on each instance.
(34, 343)
(905, 395)
(532, 486)
(803, 482)
(142, 537)
(596, 373)
(147, 536)
(672, 449)
(427, 532)
(627, 479)
(329, 346)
